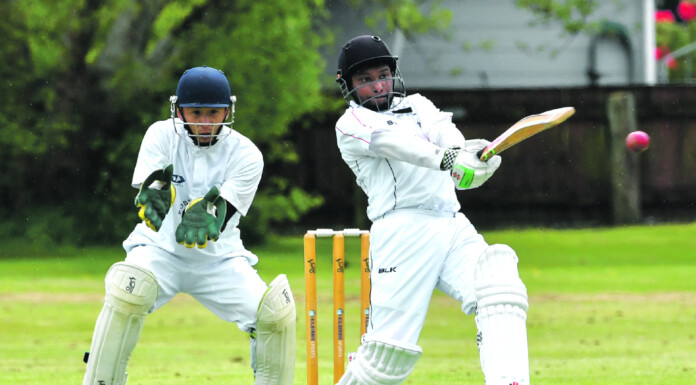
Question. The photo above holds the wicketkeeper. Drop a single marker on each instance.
(409, 157)
(196, 177)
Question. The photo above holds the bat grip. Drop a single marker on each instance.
(480, 154)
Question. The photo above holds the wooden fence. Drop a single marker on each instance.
(566, 176)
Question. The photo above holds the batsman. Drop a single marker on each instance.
(196, 177)
(409, 158)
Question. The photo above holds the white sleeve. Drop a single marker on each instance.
(363, 133)
(438, 124)
(353, 137)
(153, 155)
(406, 148)
(438, 132)
(242, 181)
(448, 135)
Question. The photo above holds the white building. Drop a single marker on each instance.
(496, 44)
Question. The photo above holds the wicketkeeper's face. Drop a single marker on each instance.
(373, 85)
(204, 122)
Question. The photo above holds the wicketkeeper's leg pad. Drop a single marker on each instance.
(501, 316)
(130, 293)
(273, 352)
(381, 363)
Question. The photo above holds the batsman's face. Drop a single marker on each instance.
(204, 122)
(373, 85)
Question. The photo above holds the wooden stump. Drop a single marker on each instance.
(624, 164)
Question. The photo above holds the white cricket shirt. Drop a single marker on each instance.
(395, 155)
(234, 164)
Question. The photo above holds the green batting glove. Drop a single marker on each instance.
(202, 220)
(154, 204)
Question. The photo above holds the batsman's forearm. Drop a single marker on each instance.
(449, 136)
(410, 149)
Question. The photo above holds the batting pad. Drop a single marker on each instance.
(130, 293)
(381, 363)
(274, 356)
(501, 317)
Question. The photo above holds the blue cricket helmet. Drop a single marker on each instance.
(203, 87)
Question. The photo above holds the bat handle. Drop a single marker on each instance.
(480, 152)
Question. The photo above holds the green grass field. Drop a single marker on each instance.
(607, 306)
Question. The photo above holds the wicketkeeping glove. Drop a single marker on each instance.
(154, 204)
(202, 220)
(467, 170)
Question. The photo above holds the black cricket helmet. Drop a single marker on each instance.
(362, 51)
(204, 87)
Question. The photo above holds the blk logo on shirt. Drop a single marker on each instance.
(384, 270)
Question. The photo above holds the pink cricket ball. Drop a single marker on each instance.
(637, 141)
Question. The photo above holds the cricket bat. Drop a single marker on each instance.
(524, 128)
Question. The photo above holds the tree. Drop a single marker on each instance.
(411, 17)
(572, 15)
(90, 76)
(87, 77)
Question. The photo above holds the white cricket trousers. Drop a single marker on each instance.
(230, 287)
(412, 252)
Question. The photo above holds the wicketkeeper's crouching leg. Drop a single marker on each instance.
(273, 348)
(130, 293)
(501, 317)
(381, 363)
